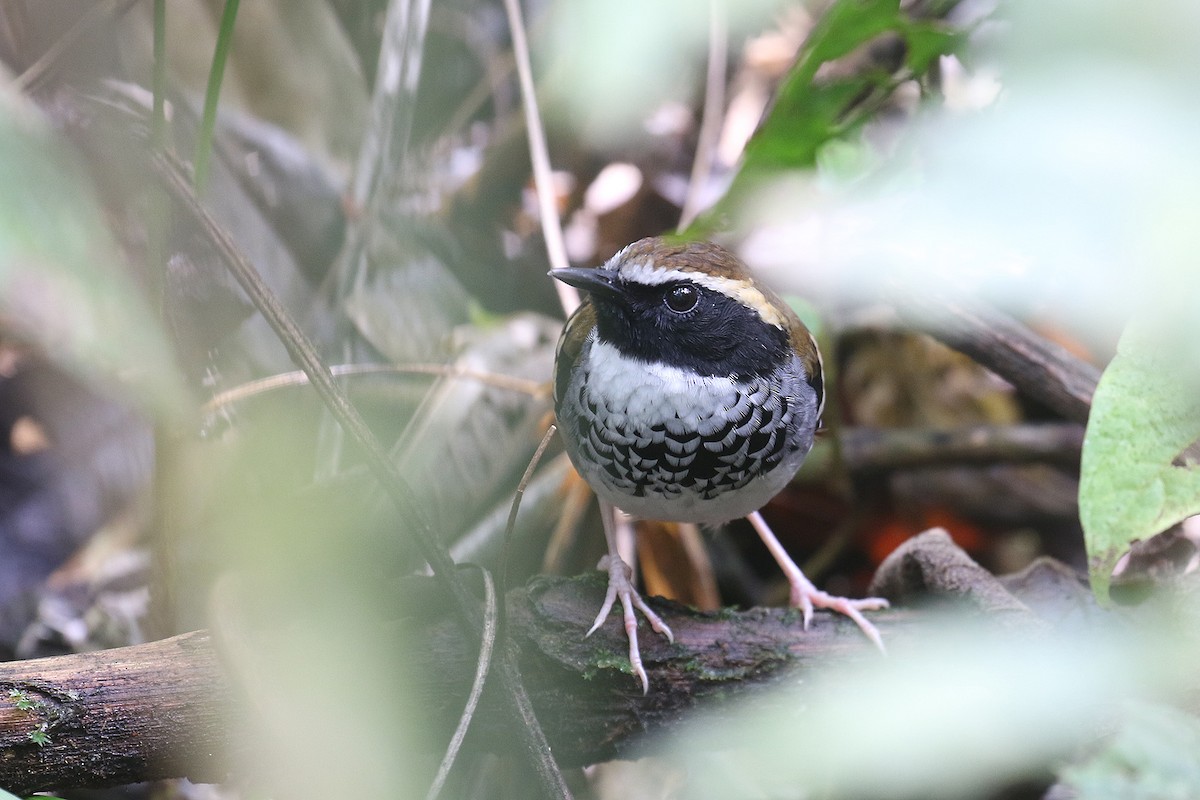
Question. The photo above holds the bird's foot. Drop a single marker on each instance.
(620, 585)
(805, 596)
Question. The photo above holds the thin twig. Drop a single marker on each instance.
(519, 494)
(491, 627)
(539, 156)
(298, 378)
(869, 449)
(711, 117)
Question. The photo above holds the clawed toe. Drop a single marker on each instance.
(620, 586)
(851, 608)
(805, 596)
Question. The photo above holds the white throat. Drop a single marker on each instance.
(649, 392)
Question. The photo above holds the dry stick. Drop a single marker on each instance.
(401, 494)
(491, 628)
(171, 708)
(877, 449)
(711, 117)
(1041, 369)
(272, 382)
(539, 157)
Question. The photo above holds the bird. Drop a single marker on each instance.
(687, 391)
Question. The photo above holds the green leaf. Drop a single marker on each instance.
(806, 113)
(1136, 477)
(61, 282)
(809, 114)
(927, 41)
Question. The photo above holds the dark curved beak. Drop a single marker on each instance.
(592, 280)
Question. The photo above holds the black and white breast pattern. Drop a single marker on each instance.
(664, 443)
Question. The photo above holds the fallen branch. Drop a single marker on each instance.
(116, 716)
(1039, 368)
(877, 449)
(168, 708)
(164, 709)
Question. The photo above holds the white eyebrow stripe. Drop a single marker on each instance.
(743, 291)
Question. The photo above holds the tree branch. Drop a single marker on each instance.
(116, 716)
(1039, 368)
(170, 709)
(876, 449)
(164, 709)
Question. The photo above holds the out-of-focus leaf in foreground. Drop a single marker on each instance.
(1153, 755)
(61, 285)
(612, 62)
(1052, 197)
(973, 710)
(1072, 198)
(1137, 476)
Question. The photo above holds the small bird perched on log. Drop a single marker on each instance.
(688, 392)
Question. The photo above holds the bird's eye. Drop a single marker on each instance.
(682, 299)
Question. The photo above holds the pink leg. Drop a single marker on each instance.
(620, 584)
(805, 595)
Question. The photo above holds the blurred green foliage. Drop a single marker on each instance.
(612, 63)
(1150, 757)
(970, 710)
(62, 283)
